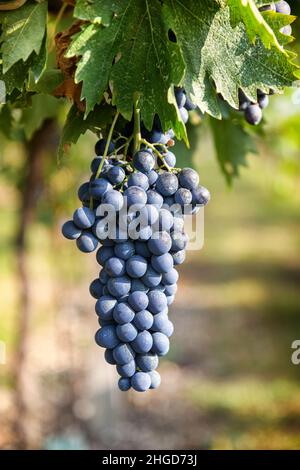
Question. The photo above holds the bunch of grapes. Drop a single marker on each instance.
(253, 111)
(133, 206)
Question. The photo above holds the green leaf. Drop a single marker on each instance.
(49, 80)
(220, 58)
(39, 61)
(232, 144)
(23, 31)
(42, 107)
(76, 125)
(97, 11)
(135, 54)
(256, 26)
(277, 21)
(15, 77)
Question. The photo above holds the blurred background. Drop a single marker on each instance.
(228, 381)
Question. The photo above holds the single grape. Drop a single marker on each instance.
(157, 301)
(103, 277)
(143, 320)
(253, 114)
(170, 299)
(184, 115)
(138, 179)
(84, 192)
(156, 136)
(123, 353)
(105, 306)
(188, 178)
(123, 313)
(165, 220)
(107, 337)
(178, 223)
(160, 243)
(100, 147)
(286, 30)
(114, 198)
(161, 344)
(147, 362)
(126, 332)
(162, 263)
(127, 370)
(144, 161)
(152, 177)
(136, 266)
(178, 257)
(124, 384)
(135, 195)
(108, 356)
(115, 266)
(171, 289)
(104, 253)
(167, 184)
(170, 277)
(263, 101)
(125, 250)
(151, 277)
(160, 320)
(138, 300)
(201, 196)
(154, 198)
(83, 217)
(95, 163)
(119, 286)
(116, 175)
(170, 159)
(183, 196)
(87, 242)
(155, 379)
(180, 97)
(179, 241)
(96, 289)
(70, 230)
(141, 381)
(283, 7)
(99, 187)
(143, 342)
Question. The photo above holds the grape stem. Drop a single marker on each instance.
(127, 145)
(154, 149)
(56, 23)
(109, 137)
(137, 126)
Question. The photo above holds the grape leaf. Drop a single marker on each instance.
(15, 77)
(232, 144)
(97, 11)
(256, 26)
(49, 80)
(76, 125)
(220, 58)
(278, 21)
(23, 31)
(134, 52)
(40, 60)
